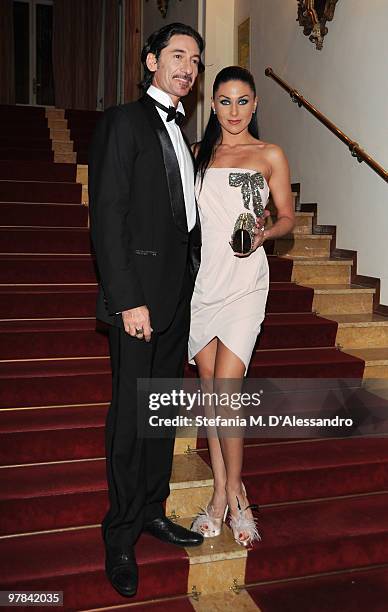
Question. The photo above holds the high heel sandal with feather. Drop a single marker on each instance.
(242, 524)
(207, 525)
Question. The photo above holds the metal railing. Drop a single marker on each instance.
(355, 149)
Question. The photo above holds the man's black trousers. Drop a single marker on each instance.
(139, 469)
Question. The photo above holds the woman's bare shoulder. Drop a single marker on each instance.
(268, 147)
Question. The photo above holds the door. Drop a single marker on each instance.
(33, 28)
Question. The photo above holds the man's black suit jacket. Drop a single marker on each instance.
(137, 215)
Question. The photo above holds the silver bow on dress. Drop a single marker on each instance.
(249, 184)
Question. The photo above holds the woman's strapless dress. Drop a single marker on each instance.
(230, 292)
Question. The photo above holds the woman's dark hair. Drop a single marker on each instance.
(160, 39)
(213, 133)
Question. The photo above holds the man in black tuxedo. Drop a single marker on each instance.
(146, 235)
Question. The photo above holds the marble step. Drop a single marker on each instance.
(342, 299)
(55, 113)
(303, 245)
(303, 222)
(217, 564)
(60, 134)
(65, 158)
(376, 361)
(320, 270)
(361, 330)
(57, 124)
(60, 146)
(82, 174)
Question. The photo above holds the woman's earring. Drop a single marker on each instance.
(214, 111)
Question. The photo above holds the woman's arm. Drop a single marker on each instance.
(280, 186)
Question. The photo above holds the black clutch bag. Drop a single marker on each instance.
(243, 233)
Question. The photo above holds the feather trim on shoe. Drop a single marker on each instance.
(243, 524)
(203, 519)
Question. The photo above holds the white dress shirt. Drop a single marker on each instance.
(183, 155)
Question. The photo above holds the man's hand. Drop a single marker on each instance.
(137, 322)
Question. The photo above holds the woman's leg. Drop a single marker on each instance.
(229, 366)
(205, 361)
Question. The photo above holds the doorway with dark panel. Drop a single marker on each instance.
(33, 29)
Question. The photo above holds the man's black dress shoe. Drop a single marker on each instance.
(121, 570)
(167, 531)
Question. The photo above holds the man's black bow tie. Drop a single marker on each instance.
(171, 111)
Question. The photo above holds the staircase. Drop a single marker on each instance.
(323, 502)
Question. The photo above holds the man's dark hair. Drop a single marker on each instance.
(160, 39)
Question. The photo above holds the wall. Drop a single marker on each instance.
(184, 11)
(347, 82)
(220, 48)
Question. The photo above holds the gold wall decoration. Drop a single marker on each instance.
(163, 7)
(313, 15)
(244, 44)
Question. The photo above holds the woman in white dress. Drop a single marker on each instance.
(235, 171)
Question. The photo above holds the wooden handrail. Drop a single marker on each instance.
(353, 146)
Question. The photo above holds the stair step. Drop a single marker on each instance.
(27, 114)
(337, 534)
(43, 215)
(57, 124)
(54, 268)
(60, 433)
(37, 171)
(46, 301)
(55, 113)
(67, 158)
(353, 591)
(30, 269)
(60, 134)
(342, 299)
(20, 153)
(39, 191)
(50, 493)
(303, 245)
(177, 604)
(361, 330)
(75, 559)
(288, 297)
(80, 269)
(376, 361)
(303, 222)
(321, 270)
(45, 241)
(16, 131)
(312, 469)
(82, 174)
(305, 363)
(54, 381)
(34, 339)
(43, 497)
(35, 141)
(38, 497)
(289, 330)
(59, 146)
